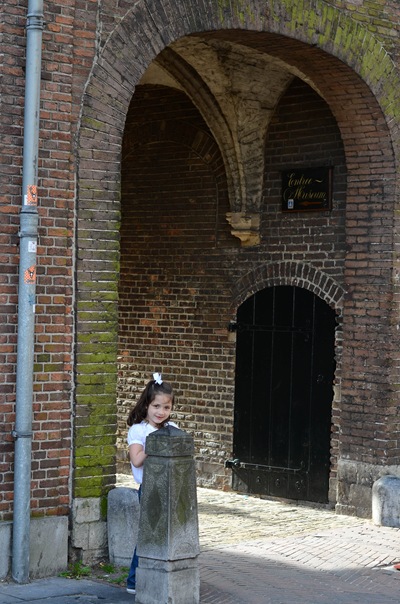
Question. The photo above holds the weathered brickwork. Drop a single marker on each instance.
(335, 85)
(11, 111)
(173, 290)
(53, 360)
(156, 286)
(175, 286)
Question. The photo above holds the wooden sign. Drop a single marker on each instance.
(307, 189)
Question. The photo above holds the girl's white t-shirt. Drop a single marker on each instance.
(137, 434)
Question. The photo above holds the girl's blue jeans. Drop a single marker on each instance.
(131, 580)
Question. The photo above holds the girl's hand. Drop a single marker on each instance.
(137, 455)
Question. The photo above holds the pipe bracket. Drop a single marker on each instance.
(35, 21)
(16, 434)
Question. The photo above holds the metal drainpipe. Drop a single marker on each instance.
(26, 296)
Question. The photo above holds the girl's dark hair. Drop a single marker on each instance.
(139, 412)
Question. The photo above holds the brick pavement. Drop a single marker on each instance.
(258, 551)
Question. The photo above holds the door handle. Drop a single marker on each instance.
(232, 463)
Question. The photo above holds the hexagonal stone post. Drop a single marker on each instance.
(168, 539)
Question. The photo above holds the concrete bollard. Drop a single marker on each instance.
(386, 501)
(168, 539)
(122, 524)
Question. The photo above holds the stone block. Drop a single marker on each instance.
(80, 536)
(86, 509)
(159, 581)
(97, 535)
(386, 501)
(5, 549)
(48, 546)
(360, 496)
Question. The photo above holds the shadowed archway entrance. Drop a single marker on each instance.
(284, 378)
(361, 99)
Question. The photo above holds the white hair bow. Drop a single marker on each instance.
(157, 378)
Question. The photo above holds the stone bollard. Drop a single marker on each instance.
(122, 524)
(168, 540)
(386, 501)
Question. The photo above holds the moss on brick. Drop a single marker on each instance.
(95, 437)
(92, 124)
(53, 367)
(241, 9)
(108, 401)
(91, 481)
(103, 507)
(88, 343)
(90, 372)
(95, 393)
(94, 463)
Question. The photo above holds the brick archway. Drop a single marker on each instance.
(290, 273)
(141, 35)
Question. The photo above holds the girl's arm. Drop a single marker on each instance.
(137, 455)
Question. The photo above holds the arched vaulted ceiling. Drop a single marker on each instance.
(235, 79)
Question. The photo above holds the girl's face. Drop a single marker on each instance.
(159, 410)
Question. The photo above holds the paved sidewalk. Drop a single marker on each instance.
(56, 590)
(257, 551)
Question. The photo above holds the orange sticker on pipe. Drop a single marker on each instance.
(30, 275)
(31, 195)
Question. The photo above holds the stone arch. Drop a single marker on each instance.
(290, 273)
(142, 34)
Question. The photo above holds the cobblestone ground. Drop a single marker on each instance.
(226, 518)
(257, 551)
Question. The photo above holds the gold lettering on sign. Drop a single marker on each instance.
(308, 189)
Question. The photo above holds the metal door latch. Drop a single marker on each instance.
(232, 463)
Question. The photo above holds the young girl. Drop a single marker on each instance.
(151, 412)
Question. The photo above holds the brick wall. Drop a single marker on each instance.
(64, 70)
(93, 55)
(365, 110)
(174, 305)
(11, 159)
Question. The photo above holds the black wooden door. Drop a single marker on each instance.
(283, 398)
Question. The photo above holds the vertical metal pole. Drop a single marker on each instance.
(26, 297)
